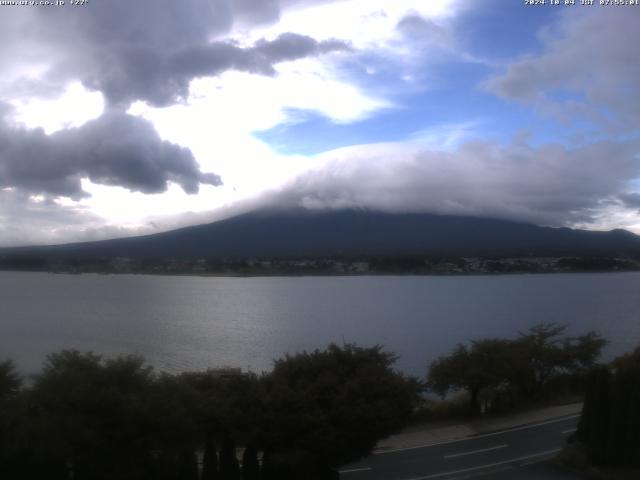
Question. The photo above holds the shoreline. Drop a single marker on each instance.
(325, 274)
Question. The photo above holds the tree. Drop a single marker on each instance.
(229, 403)
(485, 365)
(230, 409)
(593, 427)
(609, 426)
(10, 380)
(11, 419)
(210, 459)
(544, 352)
(584, 351)
(187, 465)
(624, 431)
(229, 466)
(173, 407)
(250, 464)
(91, 414)
(327, 408)
(523, 366)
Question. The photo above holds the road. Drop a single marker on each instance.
(510, 453)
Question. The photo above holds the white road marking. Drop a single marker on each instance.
(532, 462)
(489, 465)
(488, 449)
(483, 474)
(571, 430)
(484, 435)
(354, 470)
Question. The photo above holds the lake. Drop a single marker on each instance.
(191, 323)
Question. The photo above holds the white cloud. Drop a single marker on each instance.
(447, 136)
(590, 56)
(366, 23)
(223, 113)
(74, 107)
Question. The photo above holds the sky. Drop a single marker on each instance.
(121, 118)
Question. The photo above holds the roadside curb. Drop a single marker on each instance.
(483, 426)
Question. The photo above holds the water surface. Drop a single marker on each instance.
(188, 323)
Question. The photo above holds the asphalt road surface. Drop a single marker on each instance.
(514, 453)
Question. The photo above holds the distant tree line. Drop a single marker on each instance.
(84, 417)
(313, 265)
(498, 373)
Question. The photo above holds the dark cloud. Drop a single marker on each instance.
(417, 28)
(161, 79)
(256, 11)
(630, 199)
(115, 149)
(550, 184)
(291, 46)
(143, 50)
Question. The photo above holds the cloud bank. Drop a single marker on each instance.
(549, 185)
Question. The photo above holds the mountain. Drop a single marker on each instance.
(355, 233)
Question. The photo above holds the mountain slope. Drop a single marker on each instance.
(301, 233)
